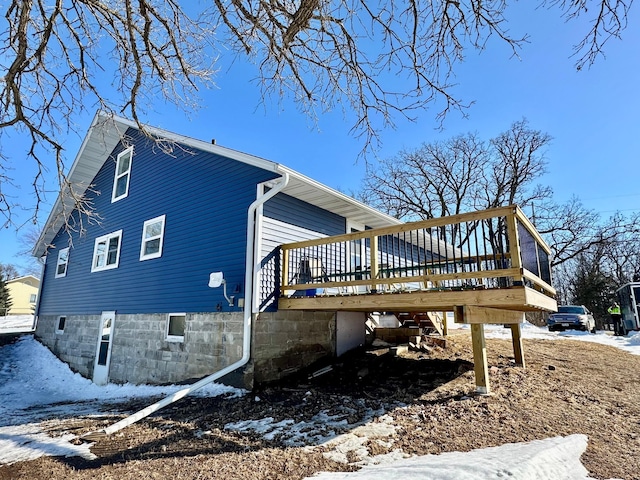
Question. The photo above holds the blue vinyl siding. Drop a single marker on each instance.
(302, 214)
(205, 198)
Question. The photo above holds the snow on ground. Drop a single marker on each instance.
(36, 388)
(16, 324)
(554, 458)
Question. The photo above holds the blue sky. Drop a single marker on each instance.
(593, 116)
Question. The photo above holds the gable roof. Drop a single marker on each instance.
(107, 130)
(24, 279)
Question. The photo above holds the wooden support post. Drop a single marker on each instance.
(480, 358)
(375, 268)
(285, 269)
(516, 338)
(445, 325)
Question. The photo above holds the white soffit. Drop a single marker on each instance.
(315, 193)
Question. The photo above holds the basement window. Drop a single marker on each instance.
(61, 324)
(176, 323)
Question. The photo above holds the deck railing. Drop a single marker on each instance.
(495, 248)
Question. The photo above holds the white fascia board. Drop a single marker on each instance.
(96, 146)
(204, 146)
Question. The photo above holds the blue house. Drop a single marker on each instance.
(166, 283)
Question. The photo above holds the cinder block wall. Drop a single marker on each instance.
(140, 351)
(285, 341)
(77, 345)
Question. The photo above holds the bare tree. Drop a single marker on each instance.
(465, 174)
(517, 160)
(569, 228)
(9, 271)
(621, 255)
(54, 56)
(28, 238)
(434, 180)
(461, 174)
(323, 53)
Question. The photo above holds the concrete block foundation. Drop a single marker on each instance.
(141, 352)
(282, 343)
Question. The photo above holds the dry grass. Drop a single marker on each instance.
(568, 387)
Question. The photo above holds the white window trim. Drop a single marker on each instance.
(106, 238)
(161, 237)
(116, 177)
(175, 338)
(66, 266)
(58, 331)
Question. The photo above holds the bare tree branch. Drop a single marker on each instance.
(609, 21)
(327, 54)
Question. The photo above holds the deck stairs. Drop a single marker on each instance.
(429, 322)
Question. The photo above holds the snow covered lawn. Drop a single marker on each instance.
(16, 324)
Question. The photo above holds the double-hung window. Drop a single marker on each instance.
(152, 238)
(63, 261)
(106, 252)
(122, 176)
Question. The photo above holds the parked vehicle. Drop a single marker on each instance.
(629, 299)
(577, 317)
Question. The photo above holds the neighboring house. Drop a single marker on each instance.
(23, 292)
(126, 297)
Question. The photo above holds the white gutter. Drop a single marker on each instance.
(246, 341)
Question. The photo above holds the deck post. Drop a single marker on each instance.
(285, 269)
(375, 268)
(445, 325)
(516, 338)
(480, 359)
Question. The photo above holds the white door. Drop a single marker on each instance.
(103, 352)
(350, 331)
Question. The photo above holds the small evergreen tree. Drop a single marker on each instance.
(5, 298)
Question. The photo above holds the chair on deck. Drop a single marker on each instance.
(311, 271)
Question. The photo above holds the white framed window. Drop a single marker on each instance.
(32, 298)
(176, 323)
(106, 252)
(123, 175)
(61, 324)
(62, 263)
(152, 238)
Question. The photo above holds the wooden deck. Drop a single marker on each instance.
(487, 267)
(520, 299)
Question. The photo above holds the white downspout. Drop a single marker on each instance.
(43, 262)
(246, 341)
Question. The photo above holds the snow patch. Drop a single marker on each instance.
(553, 458)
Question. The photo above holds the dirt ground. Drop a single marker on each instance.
(567, 387)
